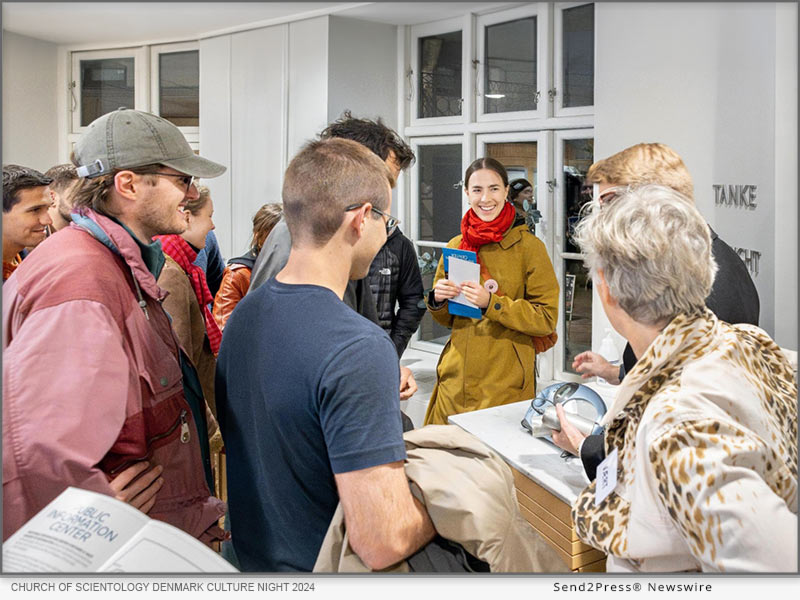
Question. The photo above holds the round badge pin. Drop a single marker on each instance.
(490, 285)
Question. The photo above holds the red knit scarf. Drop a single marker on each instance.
(182, 253)
(475, 232)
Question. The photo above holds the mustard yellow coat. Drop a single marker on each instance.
(489, 362)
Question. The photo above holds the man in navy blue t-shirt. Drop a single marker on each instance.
(307, 389)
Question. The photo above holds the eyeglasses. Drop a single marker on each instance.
(591, 192)
(390, 221)
(187, 180)
(606, 196)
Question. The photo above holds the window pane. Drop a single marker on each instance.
(509, 79)
(520, 160)
(440, 192)
(179, 87)
(430, 330)
(578, 157)
(106, 85)
(439, 80)
(578, 56)
(577, 335)
(577, 312)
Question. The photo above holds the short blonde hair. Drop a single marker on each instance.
(195, 205)
(642, 164)
(654, 248)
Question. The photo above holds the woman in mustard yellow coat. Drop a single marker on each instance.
(490, 361)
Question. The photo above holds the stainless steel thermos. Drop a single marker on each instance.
(582, 424)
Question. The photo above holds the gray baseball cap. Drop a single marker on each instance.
(125, 138)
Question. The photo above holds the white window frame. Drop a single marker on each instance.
(541, 10)
(558, 56)
(549, 129)
(463, 24)
(413, 214)
(141, 82)
(192, 134)
(559, 234)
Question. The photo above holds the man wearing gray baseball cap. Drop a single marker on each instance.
(94, 380)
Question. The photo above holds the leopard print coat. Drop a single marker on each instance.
(706, 429)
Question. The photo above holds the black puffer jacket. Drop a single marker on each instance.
(394, 278)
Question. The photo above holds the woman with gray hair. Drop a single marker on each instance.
(703, 430)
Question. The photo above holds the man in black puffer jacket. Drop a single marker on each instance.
(395, 280)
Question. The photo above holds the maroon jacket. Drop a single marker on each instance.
(92, 381)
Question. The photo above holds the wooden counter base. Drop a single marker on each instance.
(551, 518)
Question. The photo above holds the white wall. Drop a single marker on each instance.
(363, 69)
(786, 175)
(308, 82)
(215, 132)
(30, 128)
(702, 80)
(257, 125)
(263, 93)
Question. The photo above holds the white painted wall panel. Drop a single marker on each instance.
(257, 131)
(307, 112)
(786, 175)
(215, 131)
(30, 124)
(702, 80)
(362, 75)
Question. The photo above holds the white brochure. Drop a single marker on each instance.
(86, 532)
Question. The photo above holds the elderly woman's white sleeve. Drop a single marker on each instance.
(727, 492)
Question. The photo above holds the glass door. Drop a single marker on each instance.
(435, 218)
(573, 157)
(526, 156)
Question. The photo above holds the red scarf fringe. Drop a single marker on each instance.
(179, 250)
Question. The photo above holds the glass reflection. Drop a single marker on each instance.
(520, 160)
(439, 79)
(578, 56)
(440, 192)
(430, 330)
(179, 88)
(509, 79)
(577, 308)
(106, 85)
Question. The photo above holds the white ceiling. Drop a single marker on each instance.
(119, 23)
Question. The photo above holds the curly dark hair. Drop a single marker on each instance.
(16, 178)
(62, 176)
(375, 135)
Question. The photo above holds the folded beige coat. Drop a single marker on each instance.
(468, 491)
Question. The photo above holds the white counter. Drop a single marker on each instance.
(500, 429)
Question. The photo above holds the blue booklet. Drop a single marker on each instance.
(457, 308)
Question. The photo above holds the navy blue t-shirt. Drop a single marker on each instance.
(306, 387)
